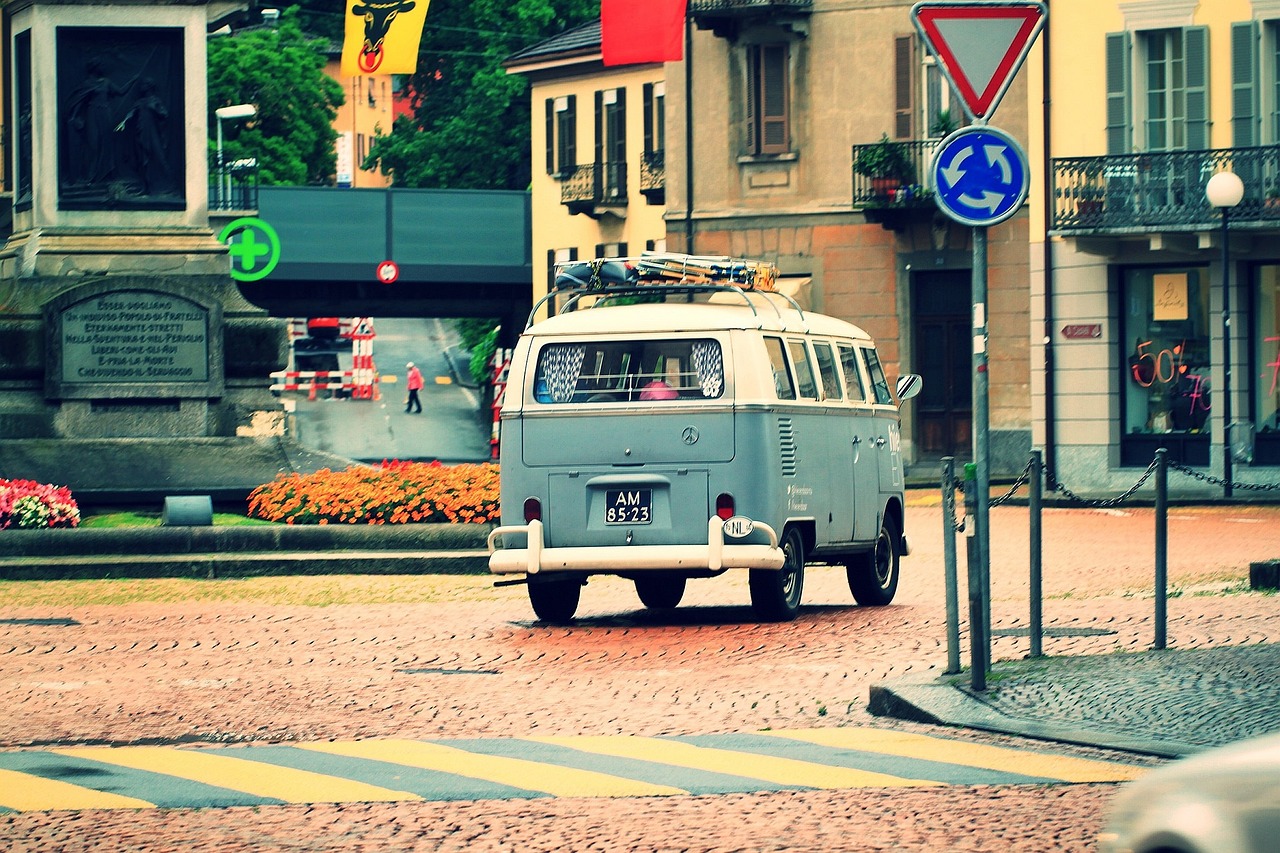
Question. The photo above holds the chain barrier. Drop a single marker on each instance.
(949, 506)
(1022, 480)
(1108, 502)
(1218, 481)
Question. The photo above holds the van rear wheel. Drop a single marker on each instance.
(660, 590)
(873, 576)
(775, 596)
(555, 600)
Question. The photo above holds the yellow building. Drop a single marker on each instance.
(365, 113)
(1150, 100)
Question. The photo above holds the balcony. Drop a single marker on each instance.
(1137, 194)
(726, 17)
(233, 185)
(903, 197)
(595, 189)
(653, 177)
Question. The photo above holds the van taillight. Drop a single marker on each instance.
(724, 506)
(532, 509)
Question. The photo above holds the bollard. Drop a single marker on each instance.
(1034, 504)
(949, 562)
(1162, 544)
(977, 618)
(193, 511)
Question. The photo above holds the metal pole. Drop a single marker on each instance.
(977, 623)
(949, 562)
(1226, 357)
(981, 432)
(1033, 501)
(688, 136)
(221, 171)
(1162, 544)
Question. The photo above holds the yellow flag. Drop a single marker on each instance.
(382, 36)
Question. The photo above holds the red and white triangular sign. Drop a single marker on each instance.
(980, 45)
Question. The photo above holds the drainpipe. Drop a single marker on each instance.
(688, 135)
(1050, 391)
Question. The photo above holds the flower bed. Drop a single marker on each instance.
(391, 493)
(30, 505)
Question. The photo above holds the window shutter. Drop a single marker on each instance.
(551, 270)
(903, 65)
(1118, 78)
(1195, 48)
(569, 136)
(774, 132)
(551, 136)
(599, 151)
(648, 117)
(1244, 85)
(753, 82)
(619, 142)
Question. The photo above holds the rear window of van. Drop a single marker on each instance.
(630, 371)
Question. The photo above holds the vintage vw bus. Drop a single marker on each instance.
(677, 419)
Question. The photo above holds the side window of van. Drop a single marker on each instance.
(852, 376)
(623, 371)
(778, 364)
(804, 369)
(879, 385)
(827, 370)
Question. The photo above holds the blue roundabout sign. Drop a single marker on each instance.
(980, 176)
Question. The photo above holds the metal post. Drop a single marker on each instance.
(949, 562)
(1033, 501)
(1226, 357)
(977, 623)
(1162, 544)
(981, 431)
(221, 169)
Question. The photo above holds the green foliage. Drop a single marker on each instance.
(471, 119)
(482, 355)
(281, 71)
(885, 159)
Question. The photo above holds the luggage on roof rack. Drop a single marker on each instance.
(658, 269)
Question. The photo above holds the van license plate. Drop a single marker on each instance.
(628, 506)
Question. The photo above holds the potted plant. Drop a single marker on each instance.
(943, 123)
(886, 163)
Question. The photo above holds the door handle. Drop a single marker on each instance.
(857, 439)
(880, 441)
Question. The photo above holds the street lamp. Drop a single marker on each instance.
(1224, 192)
(236, 112)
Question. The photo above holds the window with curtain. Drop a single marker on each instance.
(630, 371)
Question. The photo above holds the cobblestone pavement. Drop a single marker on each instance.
(469, 661)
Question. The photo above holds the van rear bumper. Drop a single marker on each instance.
(715, 555)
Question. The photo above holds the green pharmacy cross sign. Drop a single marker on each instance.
(254, 247)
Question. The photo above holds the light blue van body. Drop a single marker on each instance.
(664, 442)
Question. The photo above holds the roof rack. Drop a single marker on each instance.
(667, 273)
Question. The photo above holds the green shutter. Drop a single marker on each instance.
(551, 136)
(648, 117)
(1195, 47)
(1119, 114)
(1244, 85)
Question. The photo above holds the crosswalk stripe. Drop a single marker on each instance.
(530, 775)
(782, 771)
(265, 780)
(24, 792)
(909, 745)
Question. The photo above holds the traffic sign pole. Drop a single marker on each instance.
(981, 429)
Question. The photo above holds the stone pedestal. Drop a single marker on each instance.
(119, 318)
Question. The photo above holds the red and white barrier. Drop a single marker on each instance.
(501, 364)
(364, 374)
(360, 382)
(311, 381)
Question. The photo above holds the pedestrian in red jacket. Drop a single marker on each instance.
(413, 381)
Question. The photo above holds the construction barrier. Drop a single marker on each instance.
(501, 364)
(311, 381)
(364, 374)
(360, 382)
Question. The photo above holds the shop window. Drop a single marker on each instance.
(1266, 382)
(1167, 400)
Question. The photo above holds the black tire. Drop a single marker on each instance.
(775, 596)
(660, 590)
(555, 601)
(873, 576)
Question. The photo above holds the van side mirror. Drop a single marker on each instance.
(908, 386)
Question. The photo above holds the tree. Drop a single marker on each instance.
(471, 119)
(280, 70)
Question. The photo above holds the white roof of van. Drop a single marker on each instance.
(692, 317)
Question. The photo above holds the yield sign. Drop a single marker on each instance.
(980, 45)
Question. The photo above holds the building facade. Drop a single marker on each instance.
(1131, 260)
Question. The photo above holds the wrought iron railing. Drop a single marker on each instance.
(1138, 192)
(908, 189)
(595, 183)
(699, 8)
(653, 172)
(233, 185)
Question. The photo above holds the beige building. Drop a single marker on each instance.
(366, 112)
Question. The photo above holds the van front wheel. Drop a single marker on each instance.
(775, 596)
(555, 601)
(660, 591)
(873, 576)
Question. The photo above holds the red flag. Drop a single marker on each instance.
(636, 31)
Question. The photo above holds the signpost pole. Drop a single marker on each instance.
(981, 433)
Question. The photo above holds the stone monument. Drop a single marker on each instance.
(130, 363)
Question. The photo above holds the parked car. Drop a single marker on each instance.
(1223, 800)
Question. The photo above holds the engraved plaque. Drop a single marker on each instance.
(135, 337)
